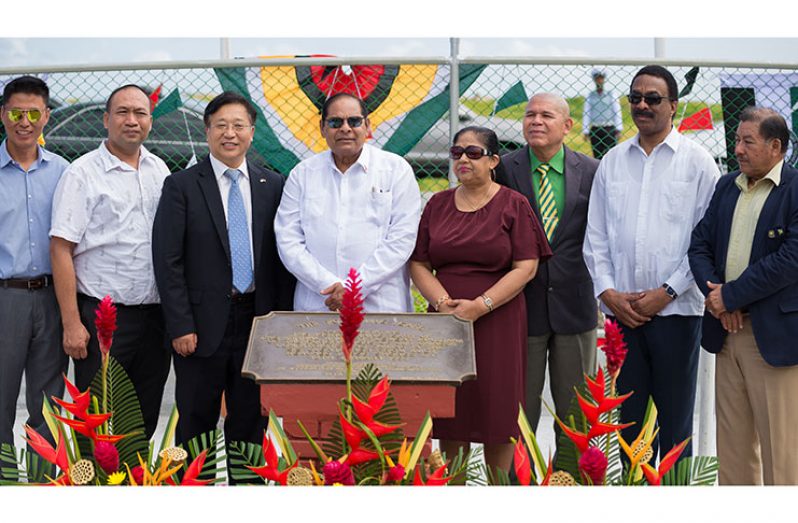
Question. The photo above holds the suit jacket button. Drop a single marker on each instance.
(227, 296)
(551, 289)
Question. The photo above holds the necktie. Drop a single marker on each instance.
(548, 206)
(238, 234)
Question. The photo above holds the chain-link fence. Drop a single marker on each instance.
(409, 103)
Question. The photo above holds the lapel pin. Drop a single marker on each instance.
(262, 180)
(771, 233)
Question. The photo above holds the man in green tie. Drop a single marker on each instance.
(561, 310)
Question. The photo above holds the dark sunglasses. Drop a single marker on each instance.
(472, 151)
(352, 121)
(15, 115)
(651, 99)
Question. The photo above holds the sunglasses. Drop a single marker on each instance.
(472, 151)
(651, 99)
(15, 115)
(352, 121)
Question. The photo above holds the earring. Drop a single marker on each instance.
(493, 175)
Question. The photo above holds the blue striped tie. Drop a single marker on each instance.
(238, 234)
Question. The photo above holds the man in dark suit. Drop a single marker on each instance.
(561, 309)
(744, 256)
(216, 266)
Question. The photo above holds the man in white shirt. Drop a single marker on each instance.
(352, 206)
(602, 122)
(101, 233)
(648, 194)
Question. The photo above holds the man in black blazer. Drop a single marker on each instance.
(561, 309)
(744, 257)
(216, 266)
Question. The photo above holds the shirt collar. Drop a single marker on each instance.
(557, 161)
(672, 140)
(363, 160)
(44, 156)
(219, 168)
(111, 161)
(774, 175)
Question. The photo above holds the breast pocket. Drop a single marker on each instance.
(378, 211)
(616, 197)
(678, 202)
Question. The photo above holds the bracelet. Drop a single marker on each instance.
(488, 302)
(440, 302)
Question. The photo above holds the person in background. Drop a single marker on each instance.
(602, 122)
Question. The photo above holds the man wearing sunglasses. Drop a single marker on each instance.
(648, 194)
(561, 309)
(352, 206)
(30, 327)
(101, 245)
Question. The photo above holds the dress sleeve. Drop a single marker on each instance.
(421, 252)
(526, 234)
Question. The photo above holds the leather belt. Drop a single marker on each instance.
(237, 298)
(142, 306)
(34, 284)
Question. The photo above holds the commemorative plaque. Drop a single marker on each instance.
(305, 347)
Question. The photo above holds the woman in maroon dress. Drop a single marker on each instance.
(483, 243)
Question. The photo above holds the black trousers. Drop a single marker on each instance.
(201, 381)
(662, 362)
(139, 346)
(602, 139)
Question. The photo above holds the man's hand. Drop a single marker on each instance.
(732, 321)
(468, 309)
(76, 340)
(335, 293)
(620, 304)
(651, 302)
(185, 345)
(714, 301)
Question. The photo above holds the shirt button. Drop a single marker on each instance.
(29, 196)
(33, 244)
(31, 220)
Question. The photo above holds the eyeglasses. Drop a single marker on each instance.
(472, 151)
(352, 121)
(15, 115)
(651, 99)
(237, 127)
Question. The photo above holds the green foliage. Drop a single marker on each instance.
(695, 470)
(243, 454)
(214, 467)
(23, 468)
(123, 402)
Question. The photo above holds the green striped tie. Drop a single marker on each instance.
(548, 206)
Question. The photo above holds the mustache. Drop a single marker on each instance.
(641, 112)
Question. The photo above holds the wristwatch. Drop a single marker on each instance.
(669, 291)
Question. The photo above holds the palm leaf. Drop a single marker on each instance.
(25, 467)
(123, 402)
(243, 454)
(695, 470)
(214, 467)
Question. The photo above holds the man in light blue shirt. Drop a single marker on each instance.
(30, 326)
(601, 118)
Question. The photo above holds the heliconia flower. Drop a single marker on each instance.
(57, 456)
(654, 477)
(336, 472)
(358, 456)
(86, 426)
(614, 347)
(107, 456)
(521, 463)
(435, 479)
(366, 411)
(602, 403)
(81, 400)
(193, 470)
(582, 440)
(593, 465)
(105, 321)
(271, 470)
(352, 434)
(351, 312)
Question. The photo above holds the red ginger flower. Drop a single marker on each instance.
(614, 347)
(593, 465)
(105, 321)
(351, 312)
(107, 456)
(337, 472)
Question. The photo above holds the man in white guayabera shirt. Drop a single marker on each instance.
(351, 206)
(648, 194)
(101, 234)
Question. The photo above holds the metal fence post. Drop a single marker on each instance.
(706, 404)
(454, 99)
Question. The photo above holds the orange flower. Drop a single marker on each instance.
(654, 477)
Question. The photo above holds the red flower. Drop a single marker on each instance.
(138, 474)
(366, 411)
(105, 321)
(107, 456)
(435, 479)
(57, 456)
(654, 477)
(351, 312)
(582, 440)
(614, 347)
(593, 465)
(395, 474)
(523, 467)
(193, 470)
(358, 456)
(270, 470)
(337, 472)
(603, 403)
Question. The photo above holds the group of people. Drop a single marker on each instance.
(523, 247)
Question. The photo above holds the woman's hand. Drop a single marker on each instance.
(467, 309)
